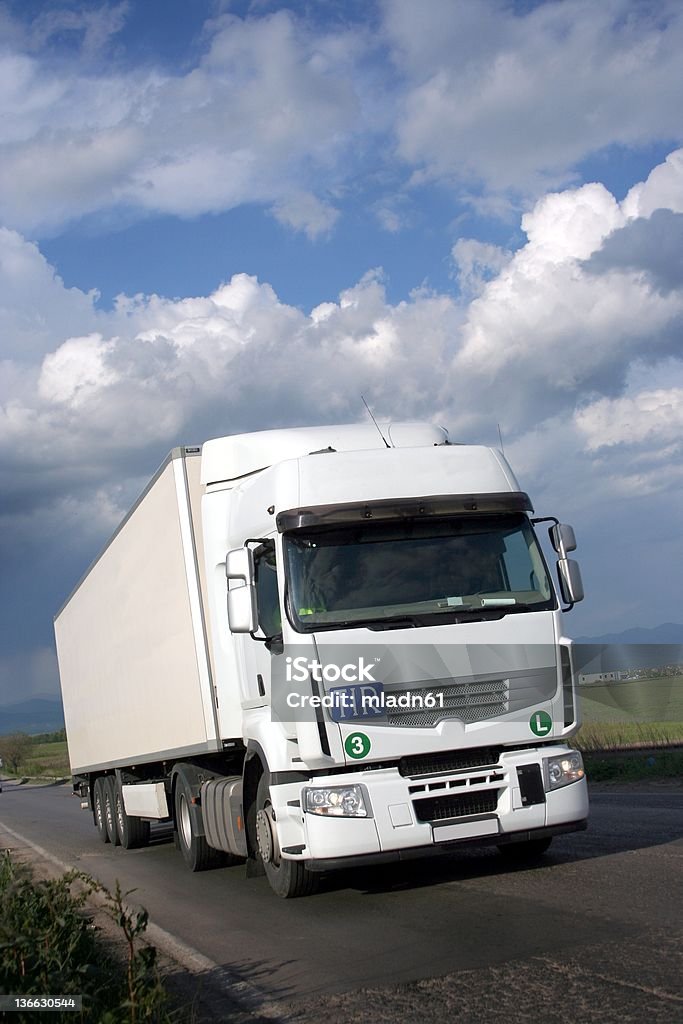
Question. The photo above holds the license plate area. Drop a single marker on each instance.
(465, 830)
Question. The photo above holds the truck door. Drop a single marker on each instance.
(257, 654)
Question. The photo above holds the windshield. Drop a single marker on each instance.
(419, 571)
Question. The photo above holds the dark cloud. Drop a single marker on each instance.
(652, 245)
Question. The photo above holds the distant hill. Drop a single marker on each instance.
(669, 633)
(32, 716)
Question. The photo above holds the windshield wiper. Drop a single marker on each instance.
(386, 622)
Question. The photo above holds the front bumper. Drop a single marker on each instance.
(418, 816)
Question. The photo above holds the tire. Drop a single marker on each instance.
(530, 850)
(132, 832)
(109, 809)
(288, 878)
(197, 853)
(98, 809)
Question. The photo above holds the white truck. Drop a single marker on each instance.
(317, 648)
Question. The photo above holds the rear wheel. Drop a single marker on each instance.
(532, 849)
(288, 878)
(98, 809)
(132, 832)
(109, 809)
(197, 853)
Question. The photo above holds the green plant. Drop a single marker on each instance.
(14, 749)
(50, 945)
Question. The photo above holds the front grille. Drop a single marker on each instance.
(439, 808)
(448, 761)
(468, 701)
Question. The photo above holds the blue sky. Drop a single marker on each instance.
(221, 216)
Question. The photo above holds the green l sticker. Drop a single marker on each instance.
(540, 723)
(357, 745)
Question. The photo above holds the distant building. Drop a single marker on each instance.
(596, 678)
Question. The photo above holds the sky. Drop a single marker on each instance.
(224, 216)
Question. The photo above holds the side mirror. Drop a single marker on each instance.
(571, 584)
(239, 569)
(562, 539)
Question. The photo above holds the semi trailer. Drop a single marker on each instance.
(322, 647)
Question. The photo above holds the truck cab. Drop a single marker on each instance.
(384, 627)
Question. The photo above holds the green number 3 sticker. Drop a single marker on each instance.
(357, 745)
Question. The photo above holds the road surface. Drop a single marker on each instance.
(594, 934)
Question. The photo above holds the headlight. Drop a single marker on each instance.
(337, 801)
(561, 771)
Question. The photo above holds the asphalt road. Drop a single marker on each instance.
(593, 934)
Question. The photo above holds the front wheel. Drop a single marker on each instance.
(531, 849)
(288, 878)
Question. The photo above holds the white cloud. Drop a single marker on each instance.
(268, 104)
(476, 263)
(516, 99)
(280, 110)
(652, 416)
(663, 189)
(305, 212)
(36, 310)
(559, 326)
(537, 334)
(578, 360)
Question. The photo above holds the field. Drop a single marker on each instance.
(48, 759)
(635, 713)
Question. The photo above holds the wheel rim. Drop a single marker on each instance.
(119, 813)
(109, 812)
(266, 836)
(184, 822)
(99, 812)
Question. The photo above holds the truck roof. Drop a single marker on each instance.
(229, 458)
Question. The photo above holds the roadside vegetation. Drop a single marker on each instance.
(634, 766)
(49, 943)
(644, 712)
(42, 756)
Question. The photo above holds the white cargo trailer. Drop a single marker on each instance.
(320, 647)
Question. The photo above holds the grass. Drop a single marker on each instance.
(48, 759)
(635, 713)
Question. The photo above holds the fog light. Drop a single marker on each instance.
(562, 771)
(337, 801)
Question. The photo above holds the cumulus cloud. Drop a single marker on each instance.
(561, 326)
(476, 263)
(553, 330)
(652, 245)
(515, 98)
(285, 111)
(268, 103)
(649, 416)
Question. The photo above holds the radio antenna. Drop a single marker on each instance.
(500, 438)
(362, 398)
